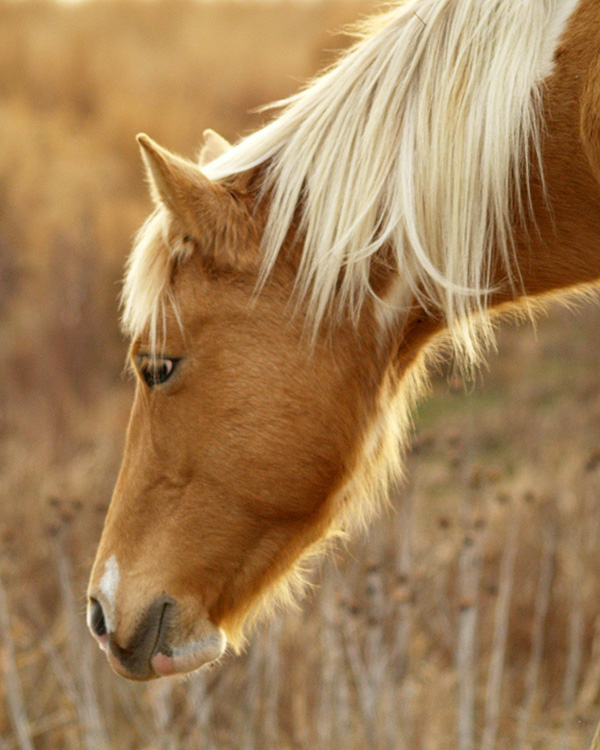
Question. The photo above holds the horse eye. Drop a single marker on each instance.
(155, 370)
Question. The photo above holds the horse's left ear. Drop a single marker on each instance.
(214, 146)
(179, 185)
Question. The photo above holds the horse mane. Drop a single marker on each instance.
(417, 140)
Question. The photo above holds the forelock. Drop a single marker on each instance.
(147, 289)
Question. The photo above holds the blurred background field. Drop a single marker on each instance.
(468, 616)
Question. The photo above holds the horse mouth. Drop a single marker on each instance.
(189, 657)
(205, 647)
(161, 632)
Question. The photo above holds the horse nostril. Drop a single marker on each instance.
(97, 621)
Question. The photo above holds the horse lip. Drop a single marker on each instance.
(188, 657)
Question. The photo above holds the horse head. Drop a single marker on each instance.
(242, 437)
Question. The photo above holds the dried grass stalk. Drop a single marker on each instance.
(14, 691)
(492, 698)
(469, 571)
(542, 601)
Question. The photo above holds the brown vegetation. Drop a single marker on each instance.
(467, 616)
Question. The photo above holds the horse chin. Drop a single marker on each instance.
(189, 656)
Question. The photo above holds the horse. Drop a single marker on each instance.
(284, 297)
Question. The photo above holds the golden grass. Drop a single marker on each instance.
(468, 617)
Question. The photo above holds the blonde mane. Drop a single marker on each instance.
(416, 140)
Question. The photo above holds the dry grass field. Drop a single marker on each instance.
(467, 617)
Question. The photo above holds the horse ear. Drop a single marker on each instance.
(214, 146)
(181, 187)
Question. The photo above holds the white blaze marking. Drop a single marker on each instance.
(108, 586)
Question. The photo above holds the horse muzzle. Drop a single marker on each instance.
(153, 648)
